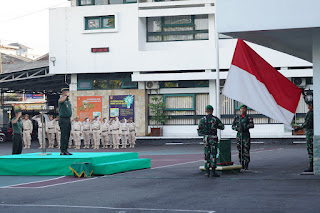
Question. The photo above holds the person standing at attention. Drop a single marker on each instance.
(65, 113)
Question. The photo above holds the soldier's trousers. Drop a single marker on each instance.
(77, 139)
(58, 138)
(110, 139)
(51, 139)
(27, 138)
(243, 145)
(309, 137)
(210, 151)
(132, 139)
(16, 144)
(86, 138)
(124, 139)
(96, 139)
(115, 139)
(40, 136)
(105, 139)
(65, 126)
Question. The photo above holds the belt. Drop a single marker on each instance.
(86, 130)
(105, 131)
(77, 130)
(96, 129)
(115, 129)
(131, 130)
(50, 128)
(26, 129)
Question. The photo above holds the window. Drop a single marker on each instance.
(183, 84)
(104, 2)
(86, 2)
(106, 81)
(179, 102)
(102, 22)
(177, 28)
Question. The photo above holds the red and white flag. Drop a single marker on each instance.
(254, 82)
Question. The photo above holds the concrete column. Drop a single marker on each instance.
(141, 85)
(213, 95)
(74, 82)
(316, 100)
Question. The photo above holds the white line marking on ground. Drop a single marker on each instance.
(104, 207)
(57, 184)
(11, 186)
(178, 164)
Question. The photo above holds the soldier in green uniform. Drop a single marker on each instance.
(242, 123)
(17, 132)
(65, 113)
(308, 126)
(208, 126)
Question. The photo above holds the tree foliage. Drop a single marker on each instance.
(158, 112)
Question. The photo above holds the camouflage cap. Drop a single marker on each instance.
(209, 107)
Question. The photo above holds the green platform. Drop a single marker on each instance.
(55, 165)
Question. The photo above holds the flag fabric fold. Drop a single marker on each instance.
(254, 82)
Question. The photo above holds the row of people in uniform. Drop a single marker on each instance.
(108, 133)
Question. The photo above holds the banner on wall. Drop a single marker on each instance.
(34, 98)
(121, 106)
(89, 106)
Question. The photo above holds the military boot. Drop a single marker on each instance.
(214, 173)
(246, 166)
(207, 174)
(310, 169)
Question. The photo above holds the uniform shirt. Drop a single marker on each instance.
(242, 123)
(132, 127)
(105, 127)
(17, 127)
(124, 128)
(86, 126)
(209, 124)
(116, 126)
(76, 126)
(51, 126)
(65, 110)
(27, 125)
(308, 123)
(96, 125)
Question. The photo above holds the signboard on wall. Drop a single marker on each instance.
(121, 106)
(34, 98)
(89, 106)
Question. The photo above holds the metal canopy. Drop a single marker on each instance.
(37, 80)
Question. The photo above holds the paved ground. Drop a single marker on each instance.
(173, 184)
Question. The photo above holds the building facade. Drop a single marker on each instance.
(166, 48)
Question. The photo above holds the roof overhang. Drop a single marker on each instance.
(285, 25)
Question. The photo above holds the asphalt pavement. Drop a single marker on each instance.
(175, 184)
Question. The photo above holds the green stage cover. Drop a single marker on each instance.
(58, 165)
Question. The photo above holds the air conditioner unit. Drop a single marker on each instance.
(152, 85)
(300, 82)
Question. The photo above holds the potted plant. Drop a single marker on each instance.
(159, 115)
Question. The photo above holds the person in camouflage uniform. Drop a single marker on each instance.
(242, 123)
(208, 126)
(308, 126)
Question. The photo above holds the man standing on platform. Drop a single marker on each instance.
(308, 126)
(124, 133)
(86, 133)
(242, 123)
(65, 113)
(105, 128)
(116, 132)
(17, 132)
(27, 130)
(208, 126)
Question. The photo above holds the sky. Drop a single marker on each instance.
(27, 22)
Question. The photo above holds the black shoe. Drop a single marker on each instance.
(309, 170)
(68, 153)
(63, 153)
(215, 175)
(246, 166)
(207, 173)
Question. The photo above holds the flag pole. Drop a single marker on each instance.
(217, 76)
